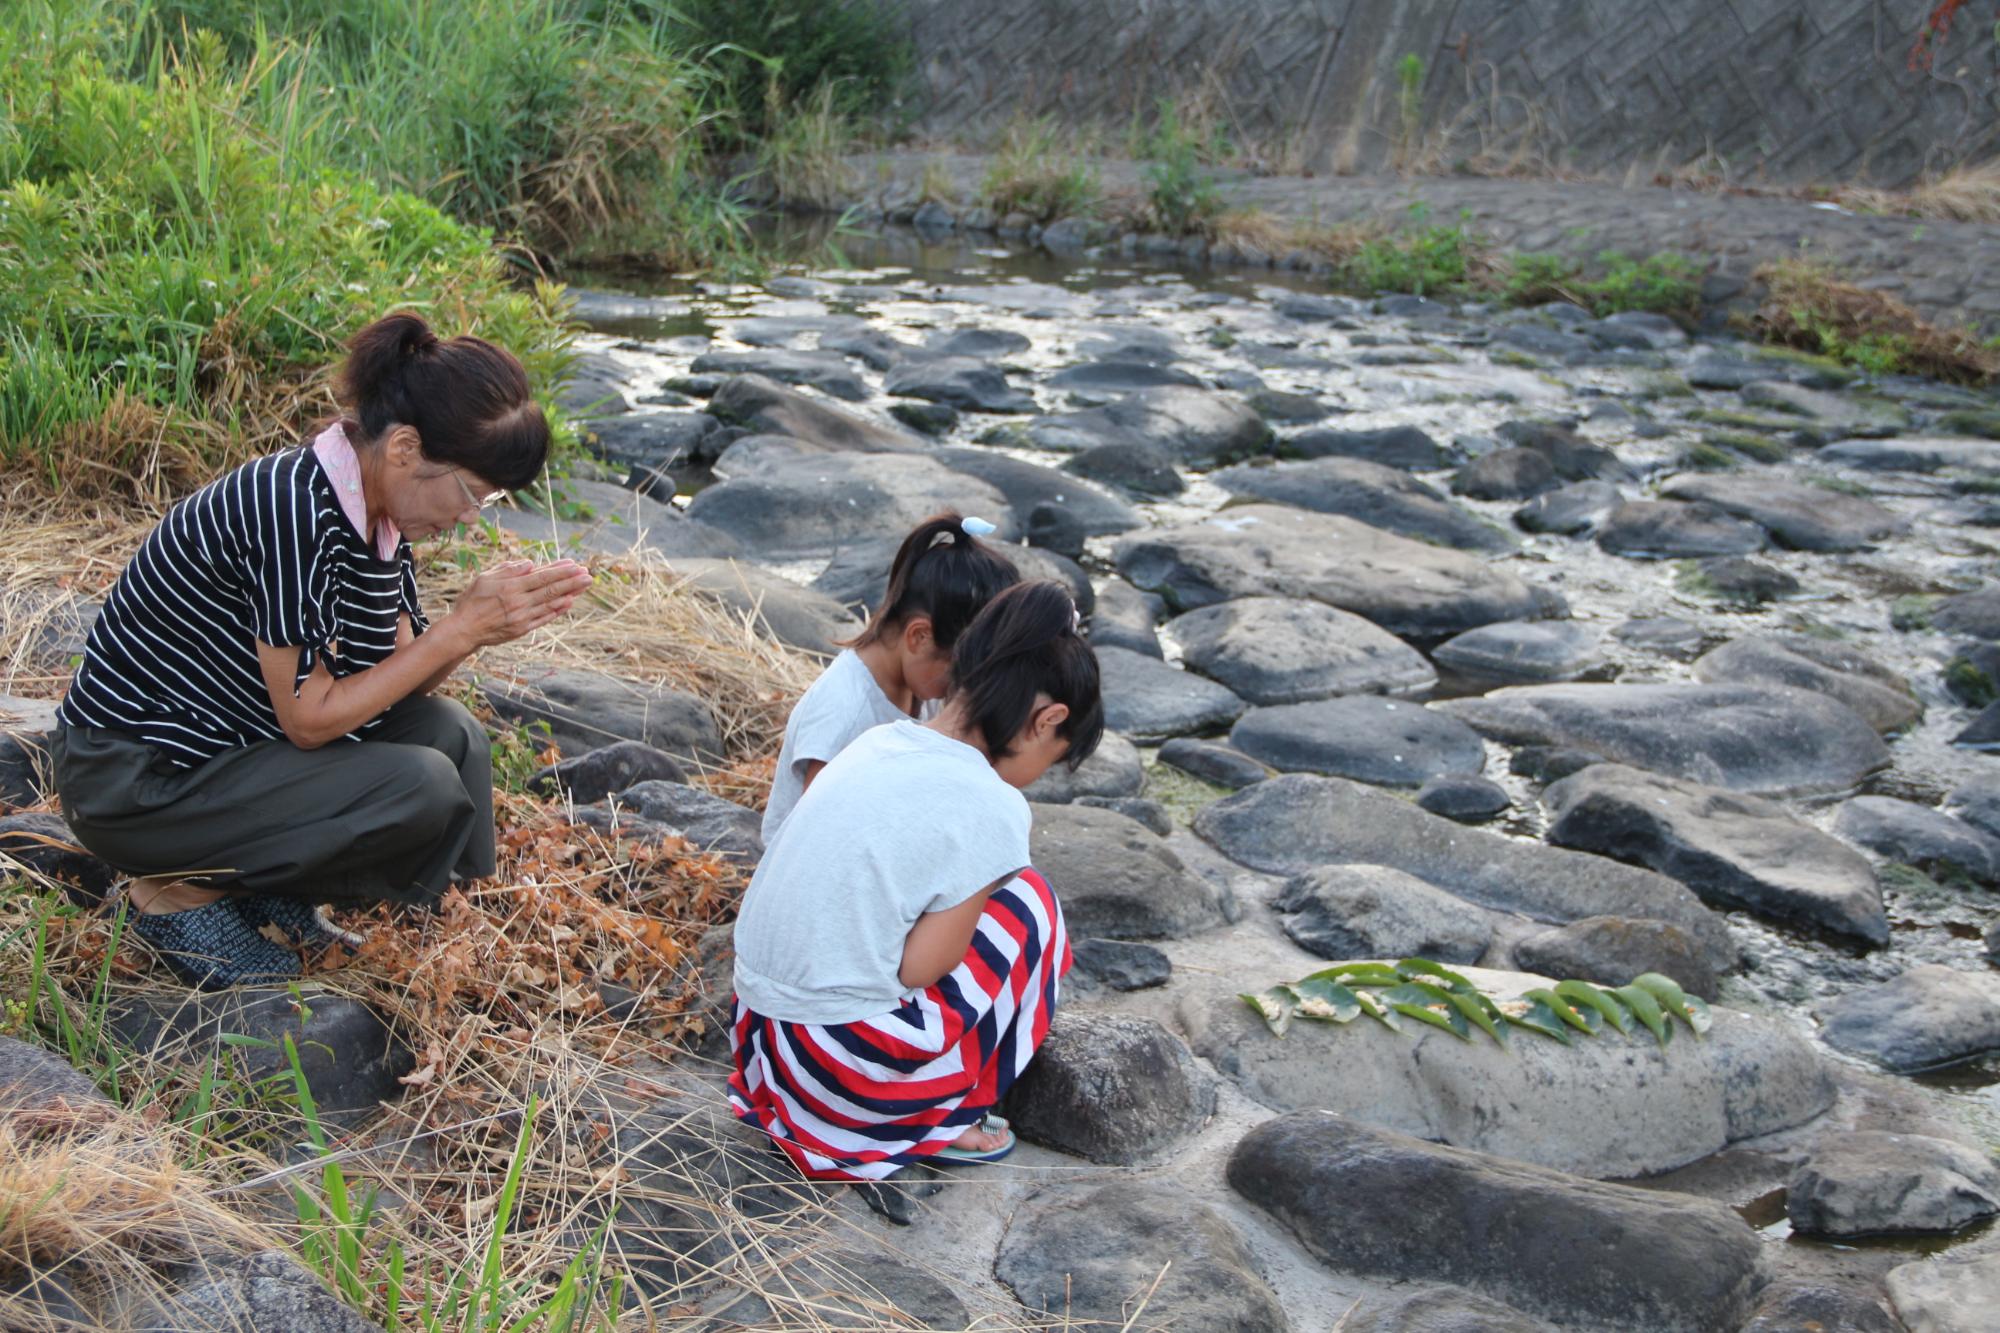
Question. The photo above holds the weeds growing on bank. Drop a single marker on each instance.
(1808, 306)
(1036, 171)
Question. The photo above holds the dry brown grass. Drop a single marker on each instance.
(1810, 307)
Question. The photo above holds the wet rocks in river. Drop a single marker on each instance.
(1738, 579)
(1275, 650)
(816, 503)
(1097, 512)
(659, 439)
(1570, 510)
(1977, 802)
(1924, 454)
(825, 371)
(1362, 911)
(1919, 836)
(1508, 1229)
(1521, 651)
(933, 419)
(1732, 849)
(1117, 878)
(1403, 447)
(1975, 614)
(1800, 516)
(1193, 427)
(586, 709)
(1668, 529)
(1290, 409)
(1611, 950)
(1130, 465)
(764, 406)
(1116, 377)
(1297, 822)
(1113, 771)
(1817, 1306)
(1929, 1016)
(962, 382)
(1126, 618)
(1385, 497)
(1829, 416)
(1873, 1183)
(1409, 588)
(1093, 1255)
(1665, 634)
(1383, 742)
(594, 388)
(1506, 474)
(1983, 732)
(1150, 701)
(1573, 457)
(1110, 1088)
(1769, 740)
(1213, 763)
(1464, 797)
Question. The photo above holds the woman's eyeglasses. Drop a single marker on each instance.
(477, 502)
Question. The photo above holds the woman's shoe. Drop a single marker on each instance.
(992, 1124)
(215, 946)
(305, 925)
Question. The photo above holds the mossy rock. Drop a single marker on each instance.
(1706, 457)
(1983, 424)
(1759, 448)
(1912, 613)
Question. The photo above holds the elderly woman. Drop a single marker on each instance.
(252, 729)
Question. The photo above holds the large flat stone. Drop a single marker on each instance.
(1928, 1017)
(1385, 497)
(1409, 588)
(1370, 1201)
(1733, 850)
(1097, 511)
(764, 406)
(1875, 1183)
(815, 503)
(1769, 740)
(1151, 701)
(1357, 911)
(1384, 742)
(586, 709)
(1116, 878)
(1947, 1293)
(1281, 650)
(1803, 517)
(1292, 824)
(1110, 1088)
(1881, 696)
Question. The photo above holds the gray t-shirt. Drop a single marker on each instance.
(844, 702)
(902, 822)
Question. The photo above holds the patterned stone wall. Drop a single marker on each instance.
(1786, 90)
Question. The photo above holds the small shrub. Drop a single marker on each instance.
(1534, 279)
(1423, 261)
(804, 153)
(1665, 284)
(858, 48)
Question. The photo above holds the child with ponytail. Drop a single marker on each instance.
(897, 959)
(940, 579)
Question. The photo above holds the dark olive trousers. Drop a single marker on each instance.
(394, 817)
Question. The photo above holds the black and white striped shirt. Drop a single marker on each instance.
(264, 553)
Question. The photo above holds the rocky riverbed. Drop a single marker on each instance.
(1539, 644)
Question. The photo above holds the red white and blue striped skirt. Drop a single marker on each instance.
(862, 1100)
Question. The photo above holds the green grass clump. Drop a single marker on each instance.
(1761, 448)
(1036, 172)
(1983, 424)
(1420, 260)
(1812, 307)
(1841, 486)
(1968, 684)
(182, 253)
(1182, 197)
(1705, 457)
(1911, 613)
(1664, 283)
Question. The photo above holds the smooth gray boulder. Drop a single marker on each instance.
(1077, 1253)
(1738, 580)
(1923, 453)
(826, 371)
(1465, 797)
(707, 821)
(1214, 763)
(1297, 822)
(1522, 651)
(1110, 1088)
(1769, 740)
(1874, 1184)
(1977, 802)
(763, 406)
(813, 504)
(1118, 879)
(1370, 1201)
(1411, 589)
(858, 575)
(1919, 836)
(1928, 1017)
(1821, 1305)
(600, 518)
(1105, 378)
(1612, 950)
(1404, 447)
(658, 440)
(1669, 529)
(1121, 965)
(1097, 511)
(1197, 428)
(1280, 650)
(1607, 1106)
(1358, 911)
(1384, 742)
(1126, 618)
(598, 773)
(1827, 415)
(1733, 850)
(964, 382)
(1975, 614)
(586, 709)
(1570, 510)
(774, 605)
(1113, 770)
(1151, 701)
(1438, 1310)
(1947, 1293)
(1801, 516)
(1372, 493)
(1506, 474)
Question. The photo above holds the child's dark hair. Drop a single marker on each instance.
(467, 399)
(943, 572)
(1026, 643)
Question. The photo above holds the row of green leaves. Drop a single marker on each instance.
(1426, 992)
